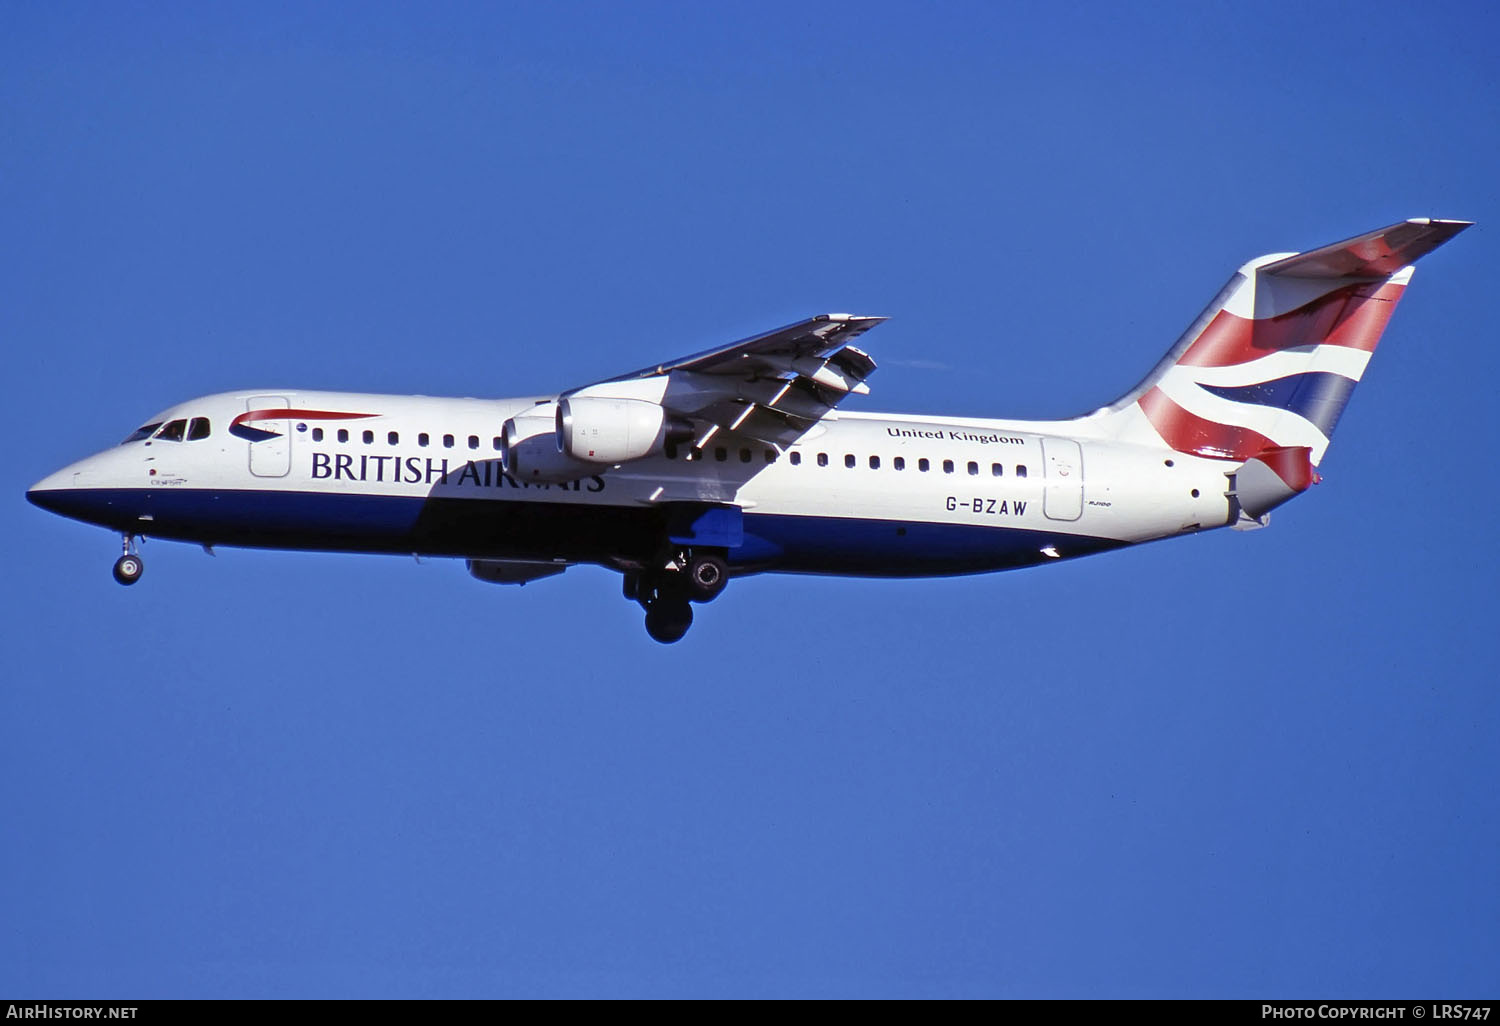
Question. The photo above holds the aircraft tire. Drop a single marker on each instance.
(706, 577)
(668, 621)
(128, 569)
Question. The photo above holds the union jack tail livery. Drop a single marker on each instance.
(1270, 364)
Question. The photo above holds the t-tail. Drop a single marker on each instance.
(1263, 374)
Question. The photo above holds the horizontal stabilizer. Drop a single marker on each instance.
(1372, 255)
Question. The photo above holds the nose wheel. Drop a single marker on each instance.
(128, 569)
(130, 566)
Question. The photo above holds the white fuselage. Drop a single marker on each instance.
(866, 494)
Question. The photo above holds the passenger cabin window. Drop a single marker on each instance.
(172, 432)
(141, 433)
(369, 437)
(973, 469)
(822, 459)
(447, 441)
(1020, 470)
(770, 455)
(924, 465)
(198, 428)
(996, 470)
(422, 439)
(874, 462)
(849, 460)
(947, 466)
(744, 455)
(343, 435)
(393, 438)
(473, 441)
(796, 458)
(495, 443)
(317, 434)
(721, 454)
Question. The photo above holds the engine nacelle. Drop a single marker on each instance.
(528, 449)
(596, 429)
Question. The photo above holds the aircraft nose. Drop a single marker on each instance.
(74, 491)
(39, 497)
(49, 491)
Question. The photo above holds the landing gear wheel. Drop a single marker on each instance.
(667, 620)
(706, 577)
(128, 568)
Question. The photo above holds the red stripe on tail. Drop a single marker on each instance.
(1190, 433)
(1353, 316)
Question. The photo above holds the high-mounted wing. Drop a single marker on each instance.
(770, 387)
(772, 351)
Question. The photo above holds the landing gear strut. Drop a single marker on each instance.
(667, 594)
(129, 567)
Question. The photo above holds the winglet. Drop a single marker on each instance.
(1372, 255)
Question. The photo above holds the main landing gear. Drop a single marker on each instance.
(129, 567)
(667, 594)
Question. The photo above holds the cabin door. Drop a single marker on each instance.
(271, 447)
(1063, 498)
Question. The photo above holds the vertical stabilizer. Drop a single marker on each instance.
(1272, 361)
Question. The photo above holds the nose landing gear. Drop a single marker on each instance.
(667, 594)
(129, 567)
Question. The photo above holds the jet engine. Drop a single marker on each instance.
(529, 453)
(596, 429)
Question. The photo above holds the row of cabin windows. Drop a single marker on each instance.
(394, 438)
(923, 464)
(721, 454)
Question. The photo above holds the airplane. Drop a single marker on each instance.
(742, 459)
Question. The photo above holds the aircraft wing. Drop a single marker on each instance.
(771, 387)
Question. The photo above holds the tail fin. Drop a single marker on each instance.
(1272, 361)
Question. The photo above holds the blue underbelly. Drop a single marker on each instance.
(534, 529)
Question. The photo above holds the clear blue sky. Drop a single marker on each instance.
(1231, 765)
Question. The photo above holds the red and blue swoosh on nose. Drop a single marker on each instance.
(241, 426)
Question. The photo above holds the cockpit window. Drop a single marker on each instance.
(172, 432)
(143, 432)
(198, 428)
